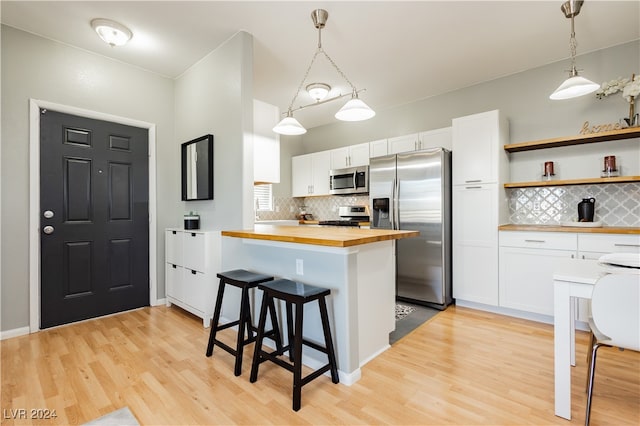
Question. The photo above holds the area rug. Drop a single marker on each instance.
(402, 311)
(121, 417)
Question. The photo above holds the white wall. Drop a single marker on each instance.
(33, 67)
(524, 99)
(215, 96)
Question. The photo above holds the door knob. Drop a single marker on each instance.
(48, 229)
(48, 214)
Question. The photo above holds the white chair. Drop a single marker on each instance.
(615, 319)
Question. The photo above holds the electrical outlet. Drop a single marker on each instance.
(291, 209)
(277, 209)
(299, 267)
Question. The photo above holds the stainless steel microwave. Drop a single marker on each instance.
(354, 180)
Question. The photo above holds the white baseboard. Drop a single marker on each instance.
(8, 334)
(547, 319)
(160, 302)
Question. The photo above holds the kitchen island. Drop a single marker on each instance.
(358, 265)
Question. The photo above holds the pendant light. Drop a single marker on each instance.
(575, 85)
(354, 110)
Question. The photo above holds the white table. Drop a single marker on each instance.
(574, 278)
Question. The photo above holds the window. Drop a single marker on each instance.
(263, 197)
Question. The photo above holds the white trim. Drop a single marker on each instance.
(8, 334)
(34, 198)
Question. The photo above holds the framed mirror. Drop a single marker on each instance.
(197, 169)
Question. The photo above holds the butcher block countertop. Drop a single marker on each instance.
(320, 236)
(575, 229)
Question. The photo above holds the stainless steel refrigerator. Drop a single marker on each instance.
(412, 191)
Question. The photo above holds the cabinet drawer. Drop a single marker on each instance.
(173, 246)
(198, 291)
(173, 280)
(194, 254)
(540, 240)
(609, 243)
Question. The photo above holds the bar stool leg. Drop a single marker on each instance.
(216, 318)
(290, 330)
(257, 355)
(328, 343)
(274, 325)
(297, 357)
(248, 320)
(242, 325)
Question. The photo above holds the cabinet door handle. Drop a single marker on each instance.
(173, 232)
(473, 181)
(573, 256)
(583, 256)
(193, 272)
(473, 187)
(174, 266)
(626, 245)
(536, 241)
(193, 234)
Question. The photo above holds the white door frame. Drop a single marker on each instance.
(34, 198)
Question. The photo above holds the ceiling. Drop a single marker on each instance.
(398, 51)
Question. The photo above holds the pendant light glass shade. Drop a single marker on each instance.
(289, 126)
(355, 110)
(573, 87)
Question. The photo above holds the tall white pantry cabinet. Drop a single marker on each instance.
(480, 169)
(192, 262)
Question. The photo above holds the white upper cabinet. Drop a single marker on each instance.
(436, 138)
(350, 156)
(310, 174)
(404, 143)
(378, 148)
(477, 145)
(266, 143)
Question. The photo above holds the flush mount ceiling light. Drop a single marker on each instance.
(113, 33)
(318, 91)
(354, 110)
(575, 85)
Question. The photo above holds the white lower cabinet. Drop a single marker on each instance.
(527, 264)
(528, 261)
(475, 244)
(192, 262)
(592, 246)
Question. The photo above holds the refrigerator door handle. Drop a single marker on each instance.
(396, 204)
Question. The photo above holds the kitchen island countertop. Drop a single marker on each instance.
(321, 236)
(574, 229)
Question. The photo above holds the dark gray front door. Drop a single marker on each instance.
(94, 218)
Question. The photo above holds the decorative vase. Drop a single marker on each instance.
(633, 118)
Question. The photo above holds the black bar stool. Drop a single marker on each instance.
(244, 280)
(298, 294)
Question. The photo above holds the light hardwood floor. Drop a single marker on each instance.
(461, 367)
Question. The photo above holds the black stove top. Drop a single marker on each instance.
(341, 222)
